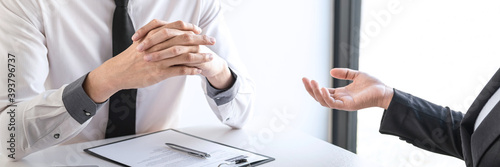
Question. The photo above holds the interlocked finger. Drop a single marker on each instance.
(154, 24)
(185, 40)
(184, 59)
(170, 52)
(159, 35)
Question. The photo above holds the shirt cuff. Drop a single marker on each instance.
(223, 96)
(396, 113)
(78, 104)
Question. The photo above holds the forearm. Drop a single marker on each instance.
(424, 124)
(233, 105)
(36, 124)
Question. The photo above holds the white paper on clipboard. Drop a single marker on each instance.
(150, 151)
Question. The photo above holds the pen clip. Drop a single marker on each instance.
(198, 155)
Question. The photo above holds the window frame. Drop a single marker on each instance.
(346, 34)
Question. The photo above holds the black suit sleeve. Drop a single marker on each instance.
(423, 124)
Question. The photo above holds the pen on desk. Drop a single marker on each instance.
(188, 150)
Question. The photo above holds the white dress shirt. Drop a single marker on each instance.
(487, 108)
(57, 42)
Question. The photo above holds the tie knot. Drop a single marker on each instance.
(121, 3)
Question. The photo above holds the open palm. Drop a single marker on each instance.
(365, 91)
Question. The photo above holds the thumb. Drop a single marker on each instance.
(344, 73)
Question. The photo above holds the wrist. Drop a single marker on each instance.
(97, 87)
(222, 80)
(387, 97)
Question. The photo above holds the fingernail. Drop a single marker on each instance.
(198, 71)
(140, 47)
(198, 29)
(212, 40)
(210, 56)
(148, 57)
(134, 37)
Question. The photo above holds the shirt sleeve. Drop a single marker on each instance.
(32, 118)
(233, 106)
(221, 96)
(423, 124)
(78, 104)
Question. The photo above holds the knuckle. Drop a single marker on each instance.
(184, 70)
(188, 38)
(155, 56)
(206, 39)
(196, 48)
(190, 57)
(155, 21)
(180, 24)
(166, 32)
(139, 31)
(206, 57)
(176, 50)
(146, 41)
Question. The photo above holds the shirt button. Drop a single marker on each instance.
(227, 119)
(56, 136)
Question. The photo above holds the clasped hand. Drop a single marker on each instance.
(160, 50)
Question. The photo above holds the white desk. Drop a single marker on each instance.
(290, 148)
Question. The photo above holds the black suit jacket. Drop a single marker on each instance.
(441, 130)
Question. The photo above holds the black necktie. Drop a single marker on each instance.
(121, 119)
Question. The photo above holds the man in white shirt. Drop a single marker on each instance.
(61, 69)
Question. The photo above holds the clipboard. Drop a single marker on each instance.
(149, 150)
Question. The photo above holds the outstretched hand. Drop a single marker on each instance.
(365, 91)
